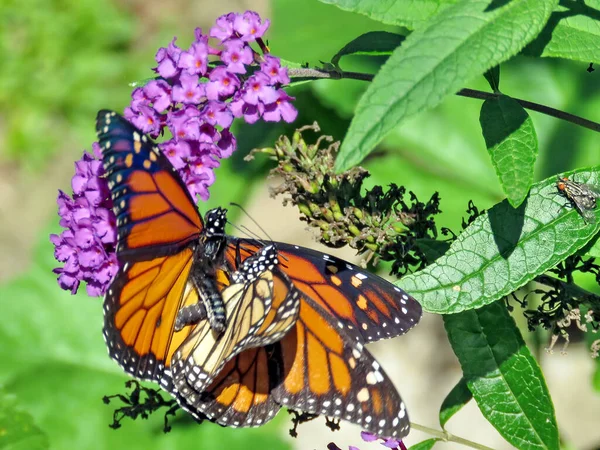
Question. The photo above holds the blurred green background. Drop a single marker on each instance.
(62, 61)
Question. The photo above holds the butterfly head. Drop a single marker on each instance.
(214, 222)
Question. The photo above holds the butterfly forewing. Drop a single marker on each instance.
(161, 240)
(139, 312)
(155, 213)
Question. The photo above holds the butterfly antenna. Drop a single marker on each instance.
(256, 236)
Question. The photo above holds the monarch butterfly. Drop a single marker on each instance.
(252, 322)
(154, 307)
(583, 196)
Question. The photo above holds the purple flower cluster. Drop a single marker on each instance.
(197, 98)
(370, 437)
(197, 95)
(87, 245)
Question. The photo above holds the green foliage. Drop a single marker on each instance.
(411, 15)
(512, 143)
(502, 250)
(572, 32)
(503, 376)
(435, 61)
(373, 43)
(424, 445)
(458, 397)
(58, 72)
(60, 62)
(17, 428)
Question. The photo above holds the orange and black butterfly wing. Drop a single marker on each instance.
(324, 369)
(226, 378)
(158, 227)
(240, 395)
(140, 309)
(368, 306)
(155, 213)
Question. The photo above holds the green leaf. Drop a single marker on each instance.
(493, 78)
(17, 428)
(432, 248)
(461, 42)
(373, 43)
(503, 376)
(512, 144)
(503, 249)
(425, 445)
(572, 32)
(458, 397)
(411, 15)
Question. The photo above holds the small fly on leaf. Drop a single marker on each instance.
(583, 196)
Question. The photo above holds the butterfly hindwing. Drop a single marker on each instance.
(326, 370)
(359, 300)
(139, 313)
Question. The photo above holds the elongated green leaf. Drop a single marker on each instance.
(572, 32)
(17, 428)
(461, 42)
(504, 249)
(424, 445)
(493, 78)
(411, 15)
(503, 376)
(458, 397)
(512, 144)
(372, 43)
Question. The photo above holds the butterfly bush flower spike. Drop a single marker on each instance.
(87, 245)
(196, 95)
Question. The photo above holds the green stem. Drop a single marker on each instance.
(314, 74)
(448, 437)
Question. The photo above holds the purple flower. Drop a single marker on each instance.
(251, 113)
(197, 101)
(391, 443)
(87, 245)
(217, 113)
(258, 90)
(249, 26)
(223, 28)
(159, 93)
(146, 119)
(138, 98)
(185, 123)
(167, 59)
(271, 67)
(221, 84)
(188, 91)
(282, 108)
(368, 437)
(195, 60)
(177, 151)
(226, 145)
(386, 442)
(237, 55)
